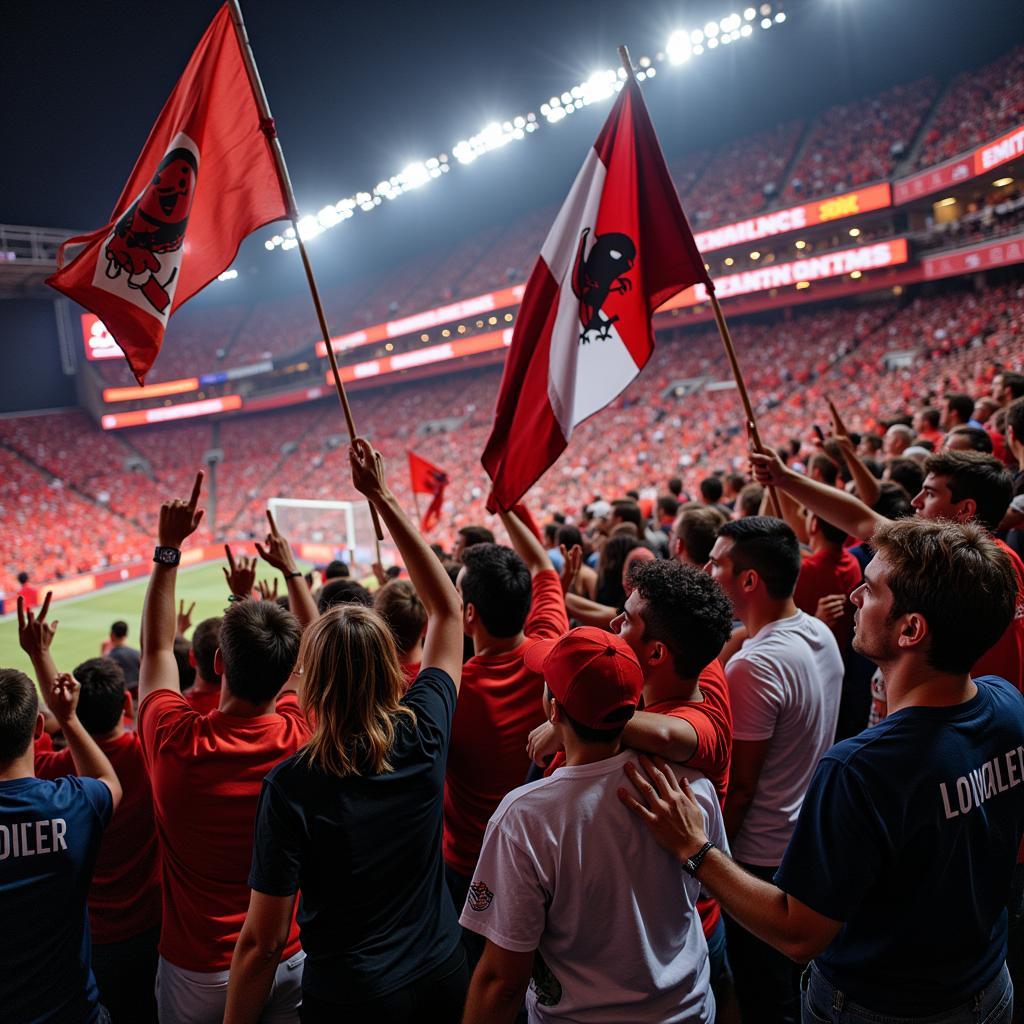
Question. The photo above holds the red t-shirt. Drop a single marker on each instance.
(499, 704)
(207, 772)
(829, 572)
(1006, 658)
(202, 701)
(45, 744)
(29, 595)
(711, 719)
(124, 897)
(410, 670)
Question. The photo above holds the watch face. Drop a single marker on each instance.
(167, 556)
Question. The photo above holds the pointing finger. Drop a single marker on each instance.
(231, 557)
(196, 488)
(21, 613)
(273, 525)
(46, 606)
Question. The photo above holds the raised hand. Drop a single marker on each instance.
(240, 574)
(184, 617)
(830, 608)
(380, 575)
(63, 697)
(767, 468)
(179, 519)
(368, 470)
(542, 744)
(266, 593)
(35, 634)
(571, 562)
(278, 552)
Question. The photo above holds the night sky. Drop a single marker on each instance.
(359, 91)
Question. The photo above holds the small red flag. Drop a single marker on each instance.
(618, 249)
(205, 179)
(426, 478)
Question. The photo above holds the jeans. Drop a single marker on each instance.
(821, 1003)
(191, 997)
(438, 997)
(126, 974)
(767, 982)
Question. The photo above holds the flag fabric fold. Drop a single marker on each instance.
(426, 478)
(205, 179)
(619, 248)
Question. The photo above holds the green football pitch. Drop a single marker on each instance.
(85, 621)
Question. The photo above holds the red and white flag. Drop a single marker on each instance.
(205, 179)
(618, 249)
(426, 478)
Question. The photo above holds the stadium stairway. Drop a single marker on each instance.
(909, 161)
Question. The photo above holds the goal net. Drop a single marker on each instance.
(321, 531)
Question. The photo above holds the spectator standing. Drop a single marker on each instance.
(50, 833)
(508, 596)
(784, 689)
(127, 657)
(896, 878)
(207, 771)
(204, 693)
(354, 818)
(635, 954)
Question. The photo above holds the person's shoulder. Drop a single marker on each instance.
(1001, 690)
(430, 679)
(524, 802)
(286, 773)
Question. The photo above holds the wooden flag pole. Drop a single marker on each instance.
(267, 125)
(416, 502)
(730, 351)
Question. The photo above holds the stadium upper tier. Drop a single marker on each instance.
(70, 500)
(843, 147)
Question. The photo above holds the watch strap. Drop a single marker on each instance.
(692, 864)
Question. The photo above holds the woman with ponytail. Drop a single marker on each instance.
(353, 820)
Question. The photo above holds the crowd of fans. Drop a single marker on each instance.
(741, 746)
(845, 146)
(791, 361)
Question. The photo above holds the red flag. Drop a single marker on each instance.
(426, 478)
(618, 249)
(205, 179)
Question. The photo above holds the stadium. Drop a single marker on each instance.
(853, 177)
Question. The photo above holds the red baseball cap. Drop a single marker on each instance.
(592, 674)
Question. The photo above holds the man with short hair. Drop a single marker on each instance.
(400, 607)
(124, 897)
(207, 770)
(895, 881)
(898, 438)
(467, 537)
(204, 693)
(748, 502)
(694, 534)
(927, 425)
(343, 591)
(507, 596)
(958, 411)
(336, 570)
(50, 832)
(711, 491)
(1007, 387)
(127, 657)
(568, 888)
(959, 486)
(784, 689)
(968, 439)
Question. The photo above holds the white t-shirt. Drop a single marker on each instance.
(567, 870)
(784, 685)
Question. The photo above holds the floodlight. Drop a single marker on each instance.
(750, 14)
(780, 17)
(711, 29)
(696, 37)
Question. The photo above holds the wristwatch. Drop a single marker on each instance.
(166, 556)
(691, 864)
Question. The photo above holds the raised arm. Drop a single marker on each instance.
(35, 635)
(526, 545)
(869, 490)
(90, 761)
(158, 669)
(589, 613)
(830, 503)
(442, 647)
(278, 553)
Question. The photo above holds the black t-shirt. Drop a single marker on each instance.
(365, 851)
(128, 659)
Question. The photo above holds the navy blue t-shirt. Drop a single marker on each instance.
(50, 835)
(909, 834)
(365, 851)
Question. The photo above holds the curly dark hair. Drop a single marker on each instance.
(686, 610)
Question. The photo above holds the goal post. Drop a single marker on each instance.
(321, 531)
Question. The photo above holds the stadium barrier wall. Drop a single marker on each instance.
(90, 582)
